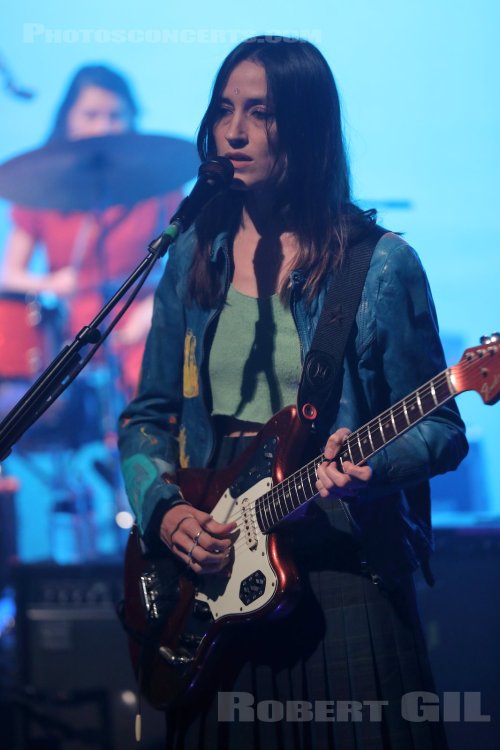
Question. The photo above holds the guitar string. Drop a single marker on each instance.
(268, 500)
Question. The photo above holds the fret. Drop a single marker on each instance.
(417, 396)
(355, 449)
(281, 500)
(348, 446)
(360, 446)
(345, 454)
(388, 429)
(272, 506)
(286, 494)
(312, 489)
(406, 413)
(381, 430)
(412, 411)
(400, 421)
(393, 422)
(295, 494)
(288, 497)
(299, 490)
(370, 437)
(266, 510)
(377, 435)
(443, 390)
(427, 401)
(316, 464)
(275, 504)
(449, 380)
(433, 392)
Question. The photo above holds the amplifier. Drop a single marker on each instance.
(77, 687)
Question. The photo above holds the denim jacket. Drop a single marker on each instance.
(396, 349)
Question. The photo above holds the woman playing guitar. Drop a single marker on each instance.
(234, 317)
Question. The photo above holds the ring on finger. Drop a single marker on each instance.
(197, 536)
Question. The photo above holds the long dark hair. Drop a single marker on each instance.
(91, 75)
(314, 194)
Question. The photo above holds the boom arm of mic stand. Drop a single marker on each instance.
(65, 367)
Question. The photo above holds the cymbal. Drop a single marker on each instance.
(93, 173)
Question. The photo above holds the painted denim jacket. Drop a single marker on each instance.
(397, 349)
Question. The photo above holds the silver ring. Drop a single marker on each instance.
(197, 536)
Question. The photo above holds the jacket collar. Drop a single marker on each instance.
(220, 244)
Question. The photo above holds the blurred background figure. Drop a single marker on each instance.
(85, 207)
(93, 227)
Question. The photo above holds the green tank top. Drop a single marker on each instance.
(254, 365)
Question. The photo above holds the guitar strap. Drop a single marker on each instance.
(323, 364)
(320, 382)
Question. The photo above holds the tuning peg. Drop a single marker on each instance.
(492, 339)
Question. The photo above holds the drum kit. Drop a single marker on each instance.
(87, 175)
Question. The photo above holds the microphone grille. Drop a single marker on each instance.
(218, 169)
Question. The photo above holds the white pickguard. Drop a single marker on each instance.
(250, 555)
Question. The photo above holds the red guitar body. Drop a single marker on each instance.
(174, 659)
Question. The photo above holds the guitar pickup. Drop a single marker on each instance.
(248, 524)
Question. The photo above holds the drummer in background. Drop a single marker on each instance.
(84, 251)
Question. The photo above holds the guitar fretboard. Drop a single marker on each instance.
(300, 487)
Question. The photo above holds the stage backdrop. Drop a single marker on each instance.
(419, 86)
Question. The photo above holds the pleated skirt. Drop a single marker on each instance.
(340, 672)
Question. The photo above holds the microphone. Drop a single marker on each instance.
(213, 176)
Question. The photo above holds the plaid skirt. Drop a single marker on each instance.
(338, 673)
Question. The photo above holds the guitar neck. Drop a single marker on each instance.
(300, 487)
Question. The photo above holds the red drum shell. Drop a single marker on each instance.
(29, 336)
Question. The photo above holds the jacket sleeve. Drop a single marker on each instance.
(410, 353)
(148, 427)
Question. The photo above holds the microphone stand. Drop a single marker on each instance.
(69, 363)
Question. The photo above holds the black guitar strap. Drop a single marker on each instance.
(323, 363)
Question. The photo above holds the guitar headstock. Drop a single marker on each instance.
(479, 369)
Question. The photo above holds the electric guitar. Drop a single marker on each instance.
(176, 620)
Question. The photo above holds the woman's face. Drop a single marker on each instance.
(97, 112)
(245, 131)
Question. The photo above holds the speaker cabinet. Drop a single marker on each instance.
(77, 690)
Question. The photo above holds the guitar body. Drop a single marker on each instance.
(178, 621)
